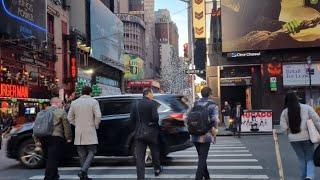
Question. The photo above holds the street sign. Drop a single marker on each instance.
(311, 71)
(194, 71)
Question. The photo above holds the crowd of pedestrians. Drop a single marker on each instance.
(84, 114)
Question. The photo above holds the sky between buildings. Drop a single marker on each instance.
(179, 15)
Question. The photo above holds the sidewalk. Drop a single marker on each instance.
(224, 132)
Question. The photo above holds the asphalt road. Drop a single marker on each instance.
(251, 157)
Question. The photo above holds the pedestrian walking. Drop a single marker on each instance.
(226, 111)
(53, 144)
(237, 113)
(85, 115)
(202, 125)
(146, 116)
(294, 121)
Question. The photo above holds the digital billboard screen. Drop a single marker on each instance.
(23, 18)
(107, 41)
(269, 24)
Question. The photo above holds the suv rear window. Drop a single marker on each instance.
(174, 102)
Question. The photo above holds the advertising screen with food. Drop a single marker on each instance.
(269, 24)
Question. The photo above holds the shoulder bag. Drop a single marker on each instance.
(147, 132)
(313, 132)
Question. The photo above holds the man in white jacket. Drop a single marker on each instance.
(85, 115)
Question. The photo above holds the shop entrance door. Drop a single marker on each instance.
(234, 94)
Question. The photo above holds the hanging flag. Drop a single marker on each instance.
(199, 18)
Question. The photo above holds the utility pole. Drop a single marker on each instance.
(309, 62)
(191, 46)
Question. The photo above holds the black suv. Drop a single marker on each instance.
(116, 130)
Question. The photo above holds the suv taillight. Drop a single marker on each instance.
(178, 116)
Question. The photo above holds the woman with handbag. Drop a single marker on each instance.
(294, 120)
(146, 116)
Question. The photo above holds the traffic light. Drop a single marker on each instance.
(186, 50)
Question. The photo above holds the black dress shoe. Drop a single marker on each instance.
(83, 176)
(158, 172)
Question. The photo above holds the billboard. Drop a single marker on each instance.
(269, 24)
(24, 19)
(298, 75)
(107, 41)
(133, 67)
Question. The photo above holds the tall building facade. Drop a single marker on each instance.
(166, 29)
(97, 46)
(259, 74)
(58, 33)
(145, 10)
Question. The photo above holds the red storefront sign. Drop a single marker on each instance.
(73, 67)
(14, 91)
(140, 83)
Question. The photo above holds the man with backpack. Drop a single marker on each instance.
(51, 130)
(202, 122)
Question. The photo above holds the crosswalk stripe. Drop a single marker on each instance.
(225, 145)
(222, 147)
(213, 151)
(215, 160)
(214, 155)
(166, 167)
(219, 147)
(163, 176)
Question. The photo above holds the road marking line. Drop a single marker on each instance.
(163, 176)
(214, 160)
(165, 167)
(213, 151)
(219, 147)
(213, 155)
(226, 145)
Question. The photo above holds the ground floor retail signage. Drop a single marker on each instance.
(298, 75)
(257, 121)
(236, 81)
(14, 91)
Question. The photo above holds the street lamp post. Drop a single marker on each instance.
(309, 62)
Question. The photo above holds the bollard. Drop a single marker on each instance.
(278, 154)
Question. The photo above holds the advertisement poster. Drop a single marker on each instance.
(24, 18)
(269, 24)
(257, 121)
(107, 41)
(298, 75)
(133, 67)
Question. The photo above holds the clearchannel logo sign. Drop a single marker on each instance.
(246, 54)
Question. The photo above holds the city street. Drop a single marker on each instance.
(251, 157)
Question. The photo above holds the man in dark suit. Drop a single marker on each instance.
(145, 114)
(237, 113)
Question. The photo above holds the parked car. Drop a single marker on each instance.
(116, 131)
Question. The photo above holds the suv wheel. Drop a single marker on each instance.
(28, 157)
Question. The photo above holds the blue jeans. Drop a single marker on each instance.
(304, 151)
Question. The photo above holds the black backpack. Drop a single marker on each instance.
(198, 120)
(316, 157)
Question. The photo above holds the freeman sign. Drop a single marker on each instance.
(14, 91)
(248, 54)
